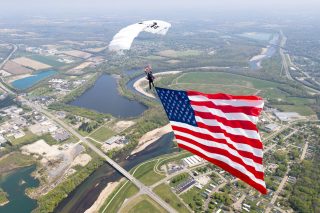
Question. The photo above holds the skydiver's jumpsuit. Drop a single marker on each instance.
(150, 78)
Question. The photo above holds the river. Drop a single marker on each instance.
(267, 52)
(87, 193)
(104, 97)
(15, 184)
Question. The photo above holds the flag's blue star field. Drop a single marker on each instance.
(177, 106)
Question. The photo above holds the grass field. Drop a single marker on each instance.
(50, 60)
(15, 160)
(188, 197)
(167, 195)
(142, 204)
(146, 174)
(216, 82)
(28, 138)
(123, 191)
(102, 134)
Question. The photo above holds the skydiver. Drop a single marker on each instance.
(150, 78)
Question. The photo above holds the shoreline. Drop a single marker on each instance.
(151, 137)
(105, 193)
(144, 141)
(4, 203)
(138, 84)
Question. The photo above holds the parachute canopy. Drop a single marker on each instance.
(124, 38)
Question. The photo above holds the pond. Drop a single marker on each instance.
(104, 97)
(29, 81)
(15, 184)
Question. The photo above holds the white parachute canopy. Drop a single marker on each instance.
(124, 38)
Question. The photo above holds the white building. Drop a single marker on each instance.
(287, 116)
(192, 161)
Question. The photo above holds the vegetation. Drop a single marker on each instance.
(125, 190)
(305, 195)
(169, 197)
(179, 179)
(143, 204)
(3, 197)
(13, 161)
(88, 126)
(193, 198)
(49, 201)
(102, 134)
(146, 174)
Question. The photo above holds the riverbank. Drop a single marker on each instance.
(138, 85)
(14, 161)
(3, 197)
(107, 191)
(150, 137)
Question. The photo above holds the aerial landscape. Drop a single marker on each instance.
(82, 129)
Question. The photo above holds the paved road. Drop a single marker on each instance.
(283, 56)
(9, 56)
(276, 194)
(143, 189)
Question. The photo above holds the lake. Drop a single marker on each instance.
(28, 82)
(12, 184)
(104, 97)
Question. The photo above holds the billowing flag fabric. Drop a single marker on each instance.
(220, 128)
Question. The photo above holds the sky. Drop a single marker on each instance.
(136, 7)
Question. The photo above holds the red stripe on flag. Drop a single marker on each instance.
(203, 136)
(225, 96)
(247, 125)
(251, 111)
(228, 168)
(237, 138)
(225, 153)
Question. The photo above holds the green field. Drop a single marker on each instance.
(142, 204)
(123, 191)
(102, 134)
(216, 82)
(28, 138)
(15, 160)
(190, 197)
(146, 174)
(167, 195)
(50, 60)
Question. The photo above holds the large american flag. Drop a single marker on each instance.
(220, 128)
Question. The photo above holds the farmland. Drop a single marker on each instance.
(215, 82)
(27, 62)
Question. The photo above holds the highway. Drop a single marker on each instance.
(283, 56)
(143, 189)
(9, 56)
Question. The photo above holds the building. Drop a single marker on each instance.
(117, 139)
(192, 161)
(287, 116)
(61, 135)
(271, 127)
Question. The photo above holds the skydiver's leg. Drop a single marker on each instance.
(150, 84)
